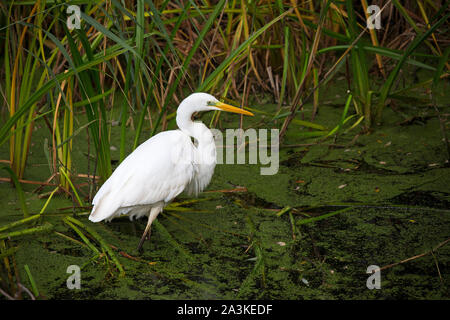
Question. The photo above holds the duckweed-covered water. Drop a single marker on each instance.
(233, 245)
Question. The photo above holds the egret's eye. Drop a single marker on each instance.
(211, 103)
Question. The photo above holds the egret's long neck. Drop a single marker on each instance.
(196, 130)
(184, 120)
(205, 144)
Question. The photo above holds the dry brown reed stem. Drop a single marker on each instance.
(443, 243)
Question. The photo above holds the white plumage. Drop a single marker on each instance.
(162, 167)
(144, 178)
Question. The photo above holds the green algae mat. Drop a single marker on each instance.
(311, 231)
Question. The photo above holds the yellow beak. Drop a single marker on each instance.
(228, 108)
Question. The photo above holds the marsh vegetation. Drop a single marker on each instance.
(364, 154)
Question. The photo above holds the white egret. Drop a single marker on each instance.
(162, 167)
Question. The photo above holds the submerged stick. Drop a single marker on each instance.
(417, 256)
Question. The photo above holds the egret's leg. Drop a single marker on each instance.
(151, 217)
(146, 234)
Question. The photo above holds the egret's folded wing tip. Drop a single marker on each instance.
(93, 217)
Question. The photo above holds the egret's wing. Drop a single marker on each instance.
(157, 171)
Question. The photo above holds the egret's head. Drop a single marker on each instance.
(200, 101)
